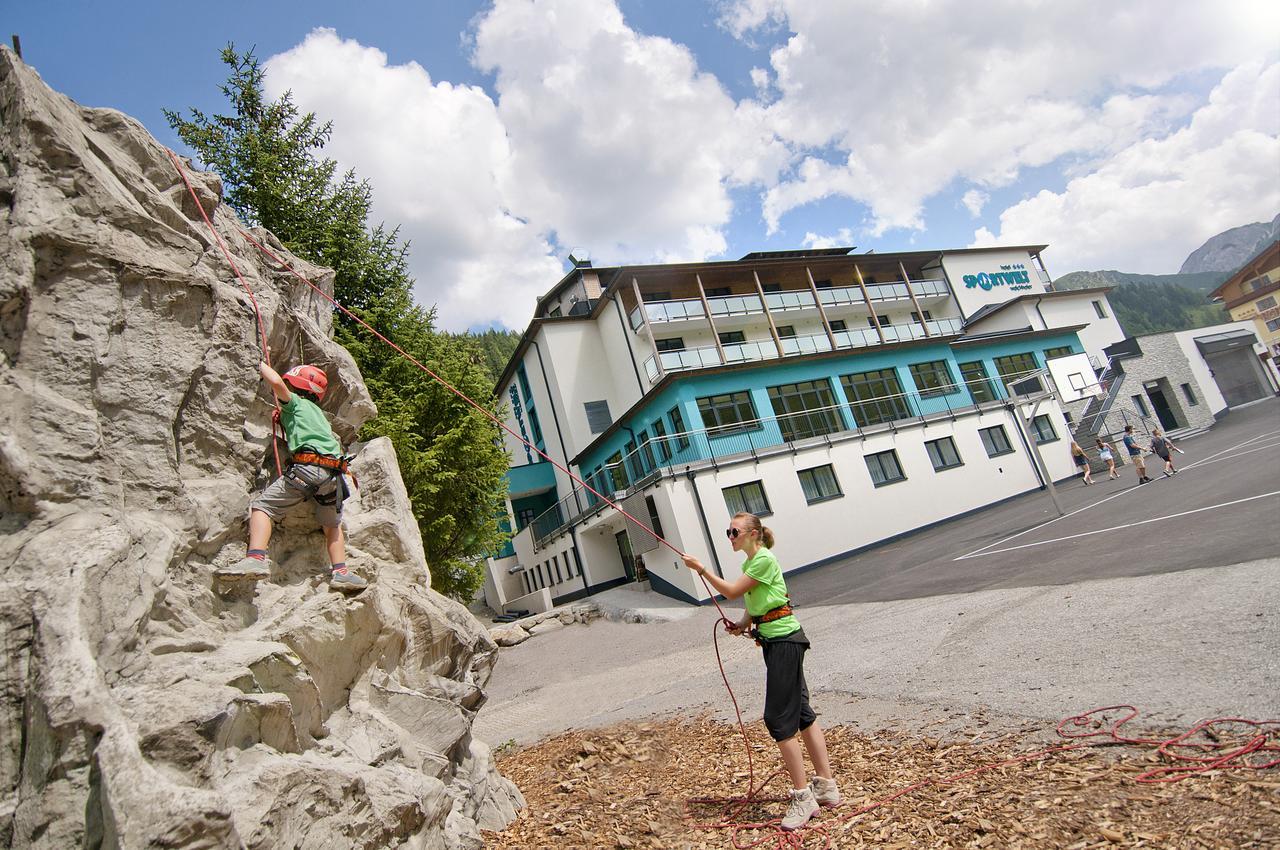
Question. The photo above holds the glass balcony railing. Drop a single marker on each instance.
(735, 305)
(930, 288)
(841, 295)
(796, 299)
(887, 291)
(808, 344)
(945, 327)
(744, 352)
(659, 312)
(857, 338)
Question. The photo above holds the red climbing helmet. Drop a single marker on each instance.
(307, 378)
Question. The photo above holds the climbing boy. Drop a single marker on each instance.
(315, 474)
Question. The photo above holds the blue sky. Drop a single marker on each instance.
(500, 135)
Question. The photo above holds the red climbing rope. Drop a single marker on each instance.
(257, 312)
(1201, 749)
(1213, 755)
(722, 621)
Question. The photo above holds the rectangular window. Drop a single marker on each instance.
(871, 322)
(1191, 396)
(524, 516)
(884, 468)
(1273, 325)
(719, 291)
(1060, 351)
(554, 312)
(677, 428)
(655, 296)
(655, 524)
(598, 417)
(747, 497)
(1014, 366)
(943, 454)
(1265, 303)
(819, 484)
(915, 317)
(671, 343)
(1042, 429)
(875, 396)
(728, 413)
(786, 330)
(644, 457)
(534, 426)
(839, 325)
(932, 378)
(524, 384)
(1141, 404)
(617, 474)
(1256, 284)
(771, 287)
(995, 440)
(661, 446)
(1099, 309)
(822, 284)
(974, 375)
(806, 409)
(732, 337)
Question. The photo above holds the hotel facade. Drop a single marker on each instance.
(846, 398)
(1253, 294)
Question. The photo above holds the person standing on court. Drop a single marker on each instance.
(1135, 454)
(1106, 455)
(1082, 462)
(1163, 446)
(769, 619)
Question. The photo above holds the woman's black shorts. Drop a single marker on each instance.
(786, 696)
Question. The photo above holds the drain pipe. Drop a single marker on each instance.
(702, 517)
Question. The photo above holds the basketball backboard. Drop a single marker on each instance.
(1074, 378)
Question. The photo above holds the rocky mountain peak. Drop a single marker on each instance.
(1232, 248)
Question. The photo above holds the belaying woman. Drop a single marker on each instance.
(770, 621)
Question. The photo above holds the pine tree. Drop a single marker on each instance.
(269, 157)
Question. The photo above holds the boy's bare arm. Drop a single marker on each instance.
(277, 384)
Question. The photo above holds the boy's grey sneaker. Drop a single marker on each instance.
(825, 791)
(347, 581)
(249, 569)
(803, 806)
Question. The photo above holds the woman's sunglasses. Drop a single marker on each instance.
(732, 533)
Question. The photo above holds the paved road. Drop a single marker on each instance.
(1166, 596)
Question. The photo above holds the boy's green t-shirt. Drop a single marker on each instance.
(768, 594)
(305, 425)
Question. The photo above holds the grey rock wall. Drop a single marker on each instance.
(141, 705)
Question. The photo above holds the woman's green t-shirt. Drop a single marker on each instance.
(768, 594)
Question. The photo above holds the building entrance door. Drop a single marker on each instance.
(1161, 406)
(628, 560)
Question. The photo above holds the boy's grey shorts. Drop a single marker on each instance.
(291, 488)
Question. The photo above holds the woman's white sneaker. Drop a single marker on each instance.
(802, 807)
(825, 791)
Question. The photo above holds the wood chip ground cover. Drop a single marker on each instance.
(626, 787)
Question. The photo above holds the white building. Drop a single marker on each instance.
(847, 398)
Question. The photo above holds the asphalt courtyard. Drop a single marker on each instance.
(1223, 507)
(1166, 596)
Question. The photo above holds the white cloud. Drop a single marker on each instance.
(842, 238)
(1151, 204)
(896, 101)
(436, 154)
(974, 200)
(619, 142)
